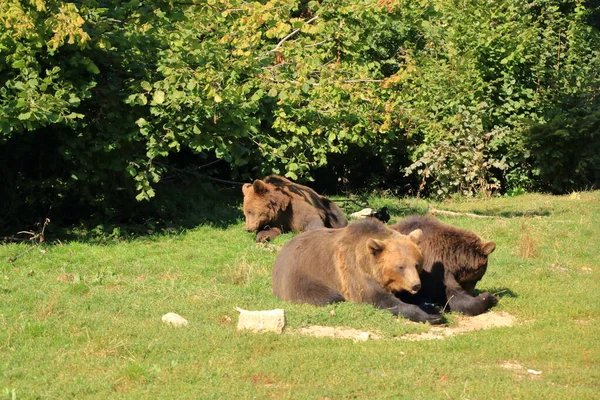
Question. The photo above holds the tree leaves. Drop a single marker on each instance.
(158, 97)
(288, 86)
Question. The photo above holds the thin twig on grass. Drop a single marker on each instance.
(462, 396)
(435, 211)
(11, 260)
(446, 305)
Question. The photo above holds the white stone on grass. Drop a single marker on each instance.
(174, 319)
(364, 213)
(261, 321)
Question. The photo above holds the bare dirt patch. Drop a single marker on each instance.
(492, 319)
(66, 278)
(338, 332)
(520, 371)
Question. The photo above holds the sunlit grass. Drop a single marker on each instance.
(81, 319)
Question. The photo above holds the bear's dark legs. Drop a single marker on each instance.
(415, 313)
(387, 301)
(461, 301)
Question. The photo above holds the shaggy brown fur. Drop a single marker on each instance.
(366, 262)
(454, 261)
(276, 204)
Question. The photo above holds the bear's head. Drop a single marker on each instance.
(263, 204)
(397, 261)
(472, 264)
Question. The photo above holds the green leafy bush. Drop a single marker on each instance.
(566, 151)
(100, 99)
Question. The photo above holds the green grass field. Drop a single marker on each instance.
(82, 318)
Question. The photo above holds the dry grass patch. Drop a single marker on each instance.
(47, 309)
(528, 242)
(202, 294)
(169, 276)
(244, 272)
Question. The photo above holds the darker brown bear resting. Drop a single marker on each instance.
(276, 204)
(454, 261)
(366, 262)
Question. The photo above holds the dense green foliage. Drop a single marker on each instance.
(99, 99)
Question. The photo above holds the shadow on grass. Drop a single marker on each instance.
(517, 214)
(404, 210)
(491, 212)
(176, 208)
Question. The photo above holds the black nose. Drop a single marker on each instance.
(248, 229)
(416, 287)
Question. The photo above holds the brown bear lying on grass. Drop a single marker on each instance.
(276, 204)
(365, 262)
(454, 261)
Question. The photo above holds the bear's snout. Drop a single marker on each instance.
(249, 228)
(415, 287)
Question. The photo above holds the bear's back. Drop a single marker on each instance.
(329, 212)
(442, 242)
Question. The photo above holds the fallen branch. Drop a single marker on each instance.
(37, 238)
(8, 239)
(223, 180)
(194, 172)
(435, 211)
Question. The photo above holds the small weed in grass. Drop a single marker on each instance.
(244, 271)
(528, 242)
(79, 288)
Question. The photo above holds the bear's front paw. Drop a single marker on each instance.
(489, 299)
(263, 236)
(267, 234)
(429, 308)
(434, 319)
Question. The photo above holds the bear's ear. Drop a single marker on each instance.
(415, 236)
(260, 187)
(375, 246)
(246, 187)
(488, 248)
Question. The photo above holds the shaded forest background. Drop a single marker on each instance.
(106, 104)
